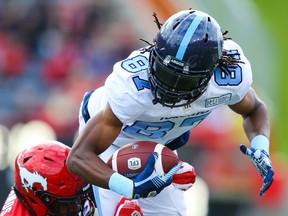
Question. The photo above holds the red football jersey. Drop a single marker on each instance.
(13, 206)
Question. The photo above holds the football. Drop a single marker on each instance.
(131, 159)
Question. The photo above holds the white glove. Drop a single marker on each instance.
(185, 177)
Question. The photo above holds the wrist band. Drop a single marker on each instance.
(121, 185)
(260, 142)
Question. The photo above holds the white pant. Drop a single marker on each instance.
(168, 202)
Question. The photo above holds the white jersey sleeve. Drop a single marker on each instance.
(229, 85)
(124, 99)
(246, 72)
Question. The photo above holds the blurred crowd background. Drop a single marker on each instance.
(52, 52)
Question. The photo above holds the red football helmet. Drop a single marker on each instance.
(46, 186)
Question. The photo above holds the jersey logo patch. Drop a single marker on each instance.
(28, 179)
(187, 107)
(209, 102)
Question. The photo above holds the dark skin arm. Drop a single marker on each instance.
(255, 115)
(98, 134)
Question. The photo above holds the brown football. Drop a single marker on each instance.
(131, 159)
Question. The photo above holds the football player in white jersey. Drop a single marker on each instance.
(158, 94)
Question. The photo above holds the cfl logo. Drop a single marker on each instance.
(134, 163)
(187, 107)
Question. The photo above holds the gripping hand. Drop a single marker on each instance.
(185, 177)
(148, 183)
(261, 161)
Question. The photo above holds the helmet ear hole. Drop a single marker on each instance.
(48, 159)
(26, 159)
(176, 24)
(206, 38)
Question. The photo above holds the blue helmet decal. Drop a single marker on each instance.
(187, 37)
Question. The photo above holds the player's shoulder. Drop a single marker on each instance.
(136, 61)
(135, 64)
(234, 81)
(230, 44)
(232, 47)
(127, 87)
(243, 64)
(130, 72)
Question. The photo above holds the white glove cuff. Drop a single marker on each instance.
(260, 142)
(121, 185)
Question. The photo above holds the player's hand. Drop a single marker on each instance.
(261, 161)
(127, 206)
(185, 177)
(148, 183)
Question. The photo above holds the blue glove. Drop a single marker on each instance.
(261, 161)
(148, 183)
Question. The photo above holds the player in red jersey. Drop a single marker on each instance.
(43, 185)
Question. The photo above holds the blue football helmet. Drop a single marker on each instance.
(186, 51)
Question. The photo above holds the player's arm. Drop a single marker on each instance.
(255, 115)
(99, 133)
(257, 128)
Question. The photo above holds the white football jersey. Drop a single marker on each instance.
(128, 92)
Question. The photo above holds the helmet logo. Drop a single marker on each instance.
(187, 107)
(28, 179)
(167, 60)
